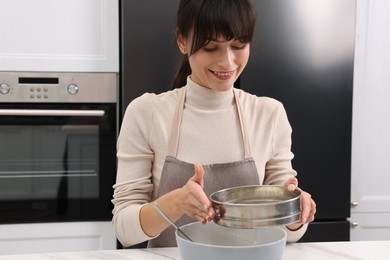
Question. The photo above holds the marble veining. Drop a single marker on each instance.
(362, 250)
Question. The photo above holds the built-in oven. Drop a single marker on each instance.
(57, 146)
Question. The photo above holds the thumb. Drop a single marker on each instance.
(199, 173)
(291, 184)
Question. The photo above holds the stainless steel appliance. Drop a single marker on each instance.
(57, 146)
(302, 55)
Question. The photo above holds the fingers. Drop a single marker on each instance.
(202, 213)
(197, 205)
(313, 211)
(206, 216)
(308, 208)
(291, 184)
(305, 206)
(199, 173)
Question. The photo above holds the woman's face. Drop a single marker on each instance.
(218, 64)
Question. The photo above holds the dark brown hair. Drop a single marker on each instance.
(206, 20)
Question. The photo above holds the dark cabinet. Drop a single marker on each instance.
(302, 55)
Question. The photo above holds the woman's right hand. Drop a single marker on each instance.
(194, 201)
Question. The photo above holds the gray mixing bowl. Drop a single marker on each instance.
(213, 241)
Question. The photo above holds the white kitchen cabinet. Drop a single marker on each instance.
(60, 36)
(56, 237)
(370, 226)
(370, 193)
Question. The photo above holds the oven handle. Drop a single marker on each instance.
(51, 112)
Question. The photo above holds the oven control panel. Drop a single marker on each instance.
(4, 88)
(58, 87)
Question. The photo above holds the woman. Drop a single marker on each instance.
(178, 147)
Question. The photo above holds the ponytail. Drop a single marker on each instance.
(184, 70)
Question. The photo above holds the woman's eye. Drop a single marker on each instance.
(235, 46)
(239, 46)
(209, 48)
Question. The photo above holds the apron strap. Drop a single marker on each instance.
(175, 132)
(243, 127)
(174, 140)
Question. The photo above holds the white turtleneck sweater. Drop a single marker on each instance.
(210, 133)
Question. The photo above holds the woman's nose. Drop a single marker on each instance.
(226, 58)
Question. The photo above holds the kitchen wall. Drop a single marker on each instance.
(370, 193)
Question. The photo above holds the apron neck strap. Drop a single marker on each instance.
(243, 127)
(174, 139)
(175, 132)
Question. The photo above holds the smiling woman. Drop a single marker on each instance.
(232, 28)
(218, 64)
(205, 135)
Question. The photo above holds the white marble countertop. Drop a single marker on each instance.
(364, 250)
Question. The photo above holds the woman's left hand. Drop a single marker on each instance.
(308, 206)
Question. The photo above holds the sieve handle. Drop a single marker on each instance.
(170, 222)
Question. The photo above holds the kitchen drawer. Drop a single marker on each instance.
(56, 237)
(370, 226)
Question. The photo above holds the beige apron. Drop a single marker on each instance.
(176, 173)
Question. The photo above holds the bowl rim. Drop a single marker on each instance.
(179, 236)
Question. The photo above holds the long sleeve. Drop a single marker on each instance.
(279, 168)
(270, 135)
(141, 150)
(133, 186)
(145, 132)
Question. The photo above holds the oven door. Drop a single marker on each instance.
(57, 162)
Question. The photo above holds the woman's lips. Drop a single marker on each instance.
(222, 75)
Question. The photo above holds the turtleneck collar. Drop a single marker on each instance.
(207, 99)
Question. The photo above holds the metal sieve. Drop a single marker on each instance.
(256, 206)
